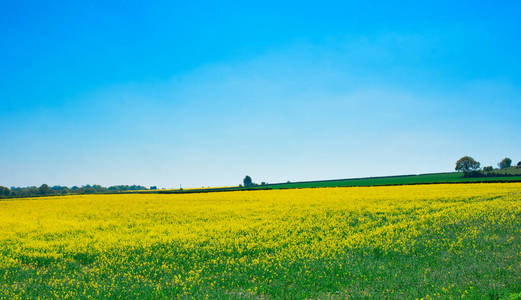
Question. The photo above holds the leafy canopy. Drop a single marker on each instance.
(247, 181)
(466, 164)
(505, 163)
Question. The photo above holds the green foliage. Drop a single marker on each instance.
(488, 169)
(121, 188)
(4, 191)
(247, 181)
(466, 164)
(505, 163)
(511, 171)
(45, 190)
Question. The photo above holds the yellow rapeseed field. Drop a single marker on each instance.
(421, 241)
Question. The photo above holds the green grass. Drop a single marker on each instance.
(432, 178)
(452, 177)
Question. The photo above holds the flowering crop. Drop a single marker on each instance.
(422, 241)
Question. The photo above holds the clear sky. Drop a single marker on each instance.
(204, 93)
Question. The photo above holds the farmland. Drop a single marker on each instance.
(411, 241)
(510, 175)
(450, 177)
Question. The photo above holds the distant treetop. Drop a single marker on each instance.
(247, 181)
(488, 169)
(467, 164)
(505, 163)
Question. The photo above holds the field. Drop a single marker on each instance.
(450, 177)
(418, 241)
(508, 175)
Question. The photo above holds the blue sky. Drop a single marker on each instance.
(203, 93)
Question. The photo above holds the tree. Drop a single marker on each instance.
(505, 163)
(247, 181)
(466, 164)
(488, 169)
(4, 191)
(44, 189)
(519, 164)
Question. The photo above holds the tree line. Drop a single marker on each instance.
(45, 190)
(472, 168)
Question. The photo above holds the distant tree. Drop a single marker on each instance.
(4, 191)
(31, 190)
(57, 189)
(87, 189)
(488, 169)
(153, 187)
(263, 183)
(44, 189)
(466, 164)
(519, 164)
(505, 163)
(247, 181)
